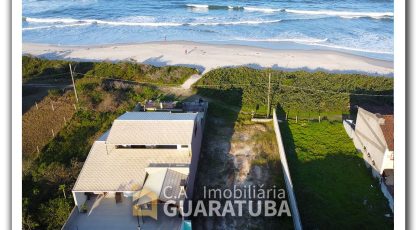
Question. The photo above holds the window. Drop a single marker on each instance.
(373, 162)
(184, 146)
(146, 146)
(368, 154)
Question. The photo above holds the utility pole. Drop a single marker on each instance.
(74, 86)
(268, 95)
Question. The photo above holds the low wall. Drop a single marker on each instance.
(73, 214)
(287, 178)
(348, 127)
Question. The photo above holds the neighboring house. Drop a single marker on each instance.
(374, 137)
(129, 167)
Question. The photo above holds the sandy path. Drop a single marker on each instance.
(190, 81)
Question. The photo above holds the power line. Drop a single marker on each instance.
(297, 87)
(331, 91)
(129, 81)
(52, 75)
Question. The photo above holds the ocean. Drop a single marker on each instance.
(363, 27)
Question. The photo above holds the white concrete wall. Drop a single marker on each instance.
(388, 161)
(387, 195)
(287, 178)
(369, 139)
(348, 128)
(79, 199)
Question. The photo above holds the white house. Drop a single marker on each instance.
(142, 153)
(374, 137)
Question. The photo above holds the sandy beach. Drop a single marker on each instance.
(205, 57)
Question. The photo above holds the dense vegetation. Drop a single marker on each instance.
(36, 68)
(49, 177)
(142, 72)
(297, 93)
(333, 187)
(33, 67)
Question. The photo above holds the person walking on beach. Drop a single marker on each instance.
(186, 51)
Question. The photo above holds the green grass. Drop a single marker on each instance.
(331, 180)
(301, 93)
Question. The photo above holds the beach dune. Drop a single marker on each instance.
(205, 57)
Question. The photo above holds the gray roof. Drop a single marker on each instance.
(122, 169)
(156, 116)
(172, 186)
(152, 128)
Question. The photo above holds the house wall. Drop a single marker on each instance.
(369, 139)
(79, 199)
(195, 152)
(388, 161)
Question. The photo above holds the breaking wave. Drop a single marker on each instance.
(342, 14)
(65, 22)
(296, 40)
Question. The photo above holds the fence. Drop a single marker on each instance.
(43, 121)
(287, 178)
(349, 127)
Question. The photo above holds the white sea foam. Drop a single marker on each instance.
(314, 42)
(62, 22)
(355, 49)
(55, 26)
(305, 40)
(344, 14)
(96, 21)
(51, 20)
(233, 23)
(197, 6)
(259, 9)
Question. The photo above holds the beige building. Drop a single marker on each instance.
(374, 137)
(145, 157)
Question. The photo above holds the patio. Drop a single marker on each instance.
(111, 215)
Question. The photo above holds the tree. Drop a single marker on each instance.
(55, 212)
(28, 222)
(62, 187)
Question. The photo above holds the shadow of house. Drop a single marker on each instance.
(333, 188)
(376, 104)
(214, 166)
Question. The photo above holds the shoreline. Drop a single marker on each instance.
(205, 56)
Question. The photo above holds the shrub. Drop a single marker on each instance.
(55, 212)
